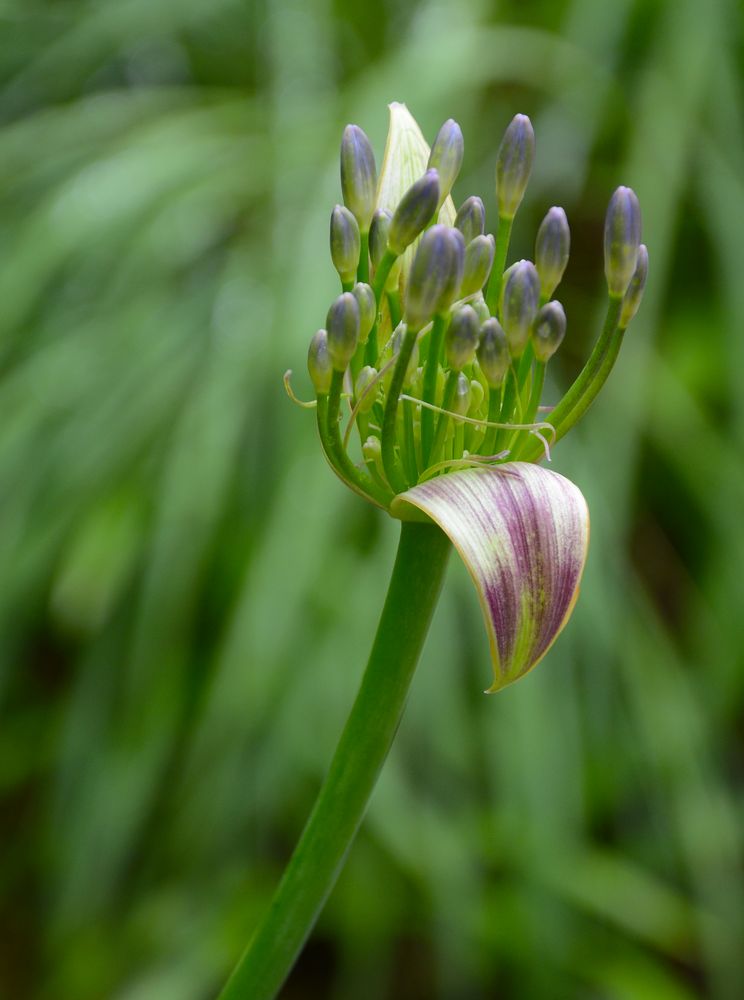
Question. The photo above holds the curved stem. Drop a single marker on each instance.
(589, 381)
(330, 436)
(311, 873)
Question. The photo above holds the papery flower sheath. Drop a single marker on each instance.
(523, 534)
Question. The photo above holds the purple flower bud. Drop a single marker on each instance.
(493, 353)
(634, 294)
(446, 156)
(479, 255)
(345, 243)
(514, 164)
(378, 235)
(319, 364)
(461, 339)
(552, 247)
(452, 289)
(622, 238)
(434, 273)
(548, 330)
(471, 218)
(367, 309)
(358, 175)
(342, 324)
(520, 301)
(414, 212)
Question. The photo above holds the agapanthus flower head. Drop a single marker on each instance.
(435, 353)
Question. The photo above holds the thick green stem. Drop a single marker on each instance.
(364, 744)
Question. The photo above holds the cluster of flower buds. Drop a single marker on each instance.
(438, 348)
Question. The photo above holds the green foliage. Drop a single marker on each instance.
(177, 657)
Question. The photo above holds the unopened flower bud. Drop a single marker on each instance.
(479, 255)
(479, 304)
(493, 353)
(414, 211)
(471, 218)
(378, 235)
(514, 164)
(433, 274)
(520, 301)
(319, 364)
(461, 402)
(367, 309)
(372, 451)
(358, 175)
(548, 330)
(622, 237)
(461, 338)
(452, 289)
(366, 399)
(342, 324)
(446, 156)
(345, 243)
(552, 247)
(476, 395)
(634, 294)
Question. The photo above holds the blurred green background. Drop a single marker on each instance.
(187, 595)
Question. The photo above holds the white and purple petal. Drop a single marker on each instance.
(523, 533)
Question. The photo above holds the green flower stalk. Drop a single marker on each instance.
(428, 380)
